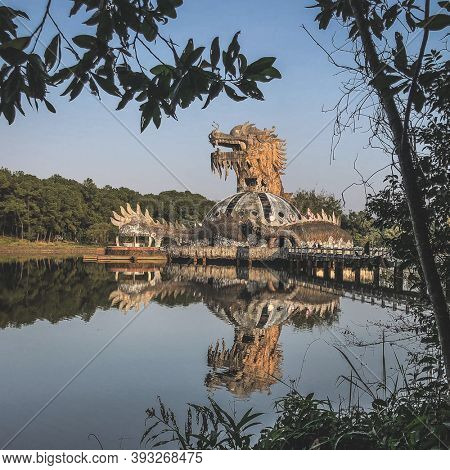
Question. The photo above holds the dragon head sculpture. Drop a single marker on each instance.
(258, 157)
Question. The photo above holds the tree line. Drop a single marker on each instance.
(58, 208)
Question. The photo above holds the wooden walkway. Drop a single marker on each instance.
(263, 253)
(306, 261)
(339, 254)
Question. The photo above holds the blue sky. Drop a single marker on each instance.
(87, 138)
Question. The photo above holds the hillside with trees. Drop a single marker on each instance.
(58, 208)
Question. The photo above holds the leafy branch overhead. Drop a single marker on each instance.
(125, 56)
(397, 68)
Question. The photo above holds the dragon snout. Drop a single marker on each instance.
(214, 137)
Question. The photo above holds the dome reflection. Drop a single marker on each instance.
(256, 301)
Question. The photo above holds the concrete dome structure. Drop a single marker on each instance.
(262, 207)
(258, 215)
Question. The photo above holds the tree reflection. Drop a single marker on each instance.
(51, 290)
(256, 301)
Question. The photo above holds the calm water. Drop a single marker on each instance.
(95, 346)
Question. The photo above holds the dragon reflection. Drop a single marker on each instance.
(257, 302)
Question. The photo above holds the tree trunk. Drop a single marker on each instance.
(414, 196)
(28, 219)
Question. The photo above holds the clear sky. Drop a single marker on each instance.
(87, 138)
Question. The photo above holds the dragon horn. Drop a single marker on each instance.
(116, 216)
(130, 210)
(148, 217)
(124, 212)
(115, 222)
(138, 209)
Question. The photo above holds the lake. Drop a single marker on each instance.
(87, 348)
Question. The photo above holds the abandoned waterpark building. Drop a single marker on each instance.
(258, 224)
(259, 215)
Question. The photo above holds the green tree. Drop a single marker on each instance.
(364, 230)
(14, 211)
(109, 54)
(432, 159)
(100, 233)
(316, 201)
(42, 209)
(395, 73)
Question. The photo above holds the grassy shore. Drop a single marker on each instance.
(13, 249)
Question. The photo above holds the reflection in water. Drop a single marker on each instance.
(51, 290)
(231, 331)
(258, 309)
(253, 363)
(257, 302)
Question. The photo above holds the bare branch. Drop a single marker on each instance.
(413, 89)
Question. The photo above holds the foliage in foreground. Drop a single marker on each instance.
(406, 421)
(123, 52)
(413, 415)
(389, 207)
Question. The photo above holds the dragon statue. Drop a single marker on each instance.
(259, 214)
(258, 157)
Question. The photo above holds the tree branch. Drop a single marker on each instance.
(426, 33)
(40, 26)
(413, 193)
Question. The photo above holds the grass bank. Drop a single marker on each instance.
(16, 249)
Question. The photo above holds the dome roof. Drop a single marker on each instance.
(265, 208)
